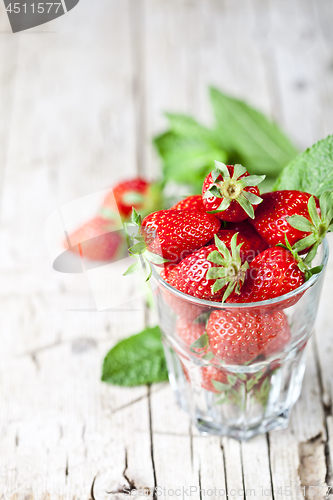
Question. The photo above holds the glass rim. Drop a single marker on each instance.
(246, 305)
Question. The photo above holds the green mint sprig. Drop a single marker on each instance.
(311, 171)
(136, 360)
(240, 134)
(260, 144)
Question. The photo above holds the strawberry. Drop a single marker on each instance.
(168, 236)
(318, 226)
(246, 230)
(181, 307)
(188, 332)
(211, 374)
(230, 192)
(297, 219)
(251, 247)
(194, 203)
(241, 336)
(271, 274)
(97, 240)
(207, 377)
(210, 272)
(277, 345)
(271, 219)
(137, 193)
(173, 234)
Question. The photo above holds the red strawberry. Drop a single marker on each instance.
(98, 239)
(189, 276)
(277, 345)
(271, 274)
(271, 217)
(230, 192)
(247, 231)
(173, 234)
(241, 336)
(137, 193)
(167, 272)
(210, 272)
(181, 307)
(297, 219)
(194, 203)
(189, 332)
(251, 247)
(210, 374)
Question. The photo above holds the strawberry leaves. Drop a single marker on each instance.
(201, 343)
(303, 264)
(318, 227)
(139, 249)
(230, 271)
(231, 189)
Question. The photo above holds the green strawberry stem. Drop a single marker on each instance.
(303, 264)
(230, 271)
(201, 343)
(234, 393)
(232, 188)
(139, 249)
(318, 227)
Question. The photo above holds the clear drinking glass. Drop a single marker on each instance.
(228, 398)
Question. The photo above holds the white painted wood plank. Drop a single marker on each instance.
(297, 43)
(173, 451)
(256, 469)
(209, 460)
(232, 453)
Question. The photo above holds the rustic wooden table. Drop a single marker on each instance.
(81, 98)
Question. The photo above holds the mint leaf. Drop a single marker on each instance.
(311, 171)
(187, 126)
(186, 160)
(262, 146)
(136, 360)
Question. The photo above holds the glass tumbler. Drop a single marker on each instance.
(250, 391)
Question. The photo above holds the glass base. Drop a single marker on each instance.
(260, 399)
(243, 433)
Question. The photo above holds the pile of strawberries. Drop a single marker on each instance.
(232, 245)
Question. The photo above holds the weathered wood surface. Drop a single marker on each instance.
(80, 100)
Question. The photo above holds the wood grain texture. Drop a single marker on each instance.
(80, 100)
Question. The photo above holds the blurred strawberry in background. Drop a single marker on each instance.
(101, 238)
(144, 196)
(98, 239)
